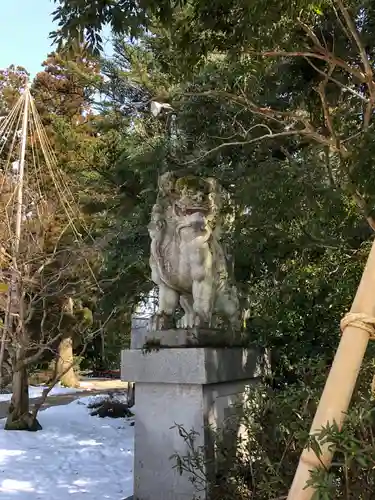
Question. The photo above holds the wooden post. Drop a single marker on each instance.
(341, 380)
(19, 417)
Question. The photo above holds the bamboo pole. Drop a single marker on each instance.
(356, 330)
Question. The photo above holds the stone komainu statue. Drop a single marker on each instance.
(187, 260)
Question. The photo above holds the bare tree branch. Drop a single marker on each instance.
(337, 82)
(328, 57)
(356, 36)
(326, 111)
(369, 76)
(312, 36)
(245, 143)
(51, 385)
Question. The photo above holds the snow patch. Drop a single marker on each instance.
(36, 391)
(75, 454)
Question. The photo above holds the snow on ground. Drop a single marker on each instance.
(75, 456)
(36, 391)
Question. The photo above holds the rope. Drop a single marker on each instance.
(364, 322)
(359, 320)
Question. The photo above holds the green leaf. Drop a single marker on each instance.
(317, 10)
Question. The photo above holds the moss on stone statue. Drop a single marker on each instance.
(193, 183)
(217, 338)
(151, 345)
(194, 337)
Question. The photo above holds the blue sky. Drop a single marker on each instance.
(24, 29)
(25, 26)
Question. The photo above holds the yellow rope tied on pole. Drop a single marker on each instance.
(364, 322)
(359, 320)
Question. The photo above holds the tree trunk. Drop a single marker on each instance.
(65, 371)
(19, 415)
(2, 357)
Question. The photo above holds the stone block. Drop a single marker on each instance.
(194, 365)
(194, 387)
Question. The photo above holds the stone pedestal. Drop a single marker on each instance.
(194, 387)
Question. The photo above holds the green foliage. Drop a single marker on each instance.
(298, 227)
(261, 461)
(12, 81)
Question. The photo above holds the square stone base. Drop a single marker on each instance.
(193, 387)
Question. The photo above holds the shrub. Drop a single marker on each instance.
(261, 465)
(109, 406)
